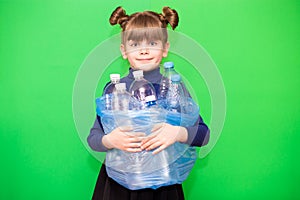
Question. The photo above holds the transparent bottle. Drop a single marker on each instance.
(110, 89)
(121, 105)
(142, 90)
(121, 98)
(166, 79)
(175, 97)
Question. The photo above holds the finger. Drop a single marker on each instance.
(133, 150)
(146, 140)
(133, 145)
(159, 149)
(146, 144)
(136, 140)
(154, 145)
(149, 138)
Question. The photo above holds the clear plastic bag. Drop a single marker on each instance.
(143, 169)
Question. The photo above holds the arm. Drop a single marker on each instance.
(199, 134)
(120, 138)
(96, 135)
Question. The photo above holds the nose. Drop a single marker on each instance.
(144, 50)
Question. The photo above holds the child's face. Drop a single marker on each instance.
(144, 55)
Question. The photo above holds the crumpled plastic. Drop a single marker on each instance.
(143, 169)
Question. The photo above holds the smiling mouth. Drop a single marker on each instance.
(144, 59)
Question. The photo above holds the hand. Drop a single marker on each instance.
(163, 135)
(124, 139)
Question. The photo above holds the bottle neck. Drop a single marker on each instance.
(169, 69)
(115, 81)
(138, 78)
(121, 91)
(176, 82)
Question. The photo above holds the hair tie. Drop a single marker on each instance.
(162, 18)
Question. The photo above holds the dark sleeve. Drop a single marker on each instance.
(96, 134)
(95, 137)
(198, 135)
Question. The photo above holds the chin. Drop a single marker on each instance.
(148, 67)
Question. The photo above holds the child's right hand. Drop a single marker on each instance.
(124, 139)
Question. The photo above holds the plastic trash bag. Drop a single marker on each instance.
(143, 169)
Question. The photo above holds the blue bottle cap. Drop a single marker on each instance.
(168, 65)
(175, 77)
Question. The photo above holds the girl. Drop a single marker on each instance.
(144, 44)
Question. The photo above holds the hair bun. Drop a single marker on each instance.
(118, 16)
(171, 16)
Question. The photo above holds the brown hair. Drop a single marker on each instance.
(147, 19)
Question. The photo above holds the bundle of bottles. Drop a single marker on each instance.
(138, 110)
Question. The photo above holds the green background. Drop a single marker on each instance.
(255, 45)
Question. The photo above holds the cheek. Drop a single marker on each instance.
(129, 54)
(158, 54)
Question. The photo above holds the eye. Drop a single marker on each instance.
(133, 44)
(153, 43)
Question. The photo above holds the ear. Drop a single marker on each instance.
(166, 49)
(122, 49)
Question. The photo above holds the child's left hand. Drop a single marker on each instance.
(163, 135)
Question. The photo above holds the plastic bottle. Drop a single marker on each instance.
(110, 89)
(121, 98)
(142, 90)
(166, 79)
(175, 97)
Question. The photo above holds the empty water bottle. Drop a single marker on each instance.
(142, 90)
(121, 98)
(166, 79)
(121, 105)
(110, 89)
(175, 97)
